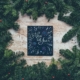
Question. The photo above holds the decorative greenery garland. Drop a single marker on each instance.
(10, 68)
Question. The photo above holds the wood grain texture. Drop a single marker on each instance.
(20, 37)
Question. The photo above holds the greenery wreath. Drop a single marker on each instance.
(11, 68)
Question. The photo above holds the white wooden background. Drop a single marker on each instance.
(20, 38)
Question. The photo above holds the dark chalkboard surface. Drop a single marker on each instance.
(40, 40)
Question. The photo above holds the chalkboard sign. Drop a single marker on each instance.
(40, 40)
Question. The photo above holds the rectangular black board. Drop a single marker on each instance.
(40, 40)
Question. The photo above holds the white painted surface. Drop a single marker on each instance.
(20, 37)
